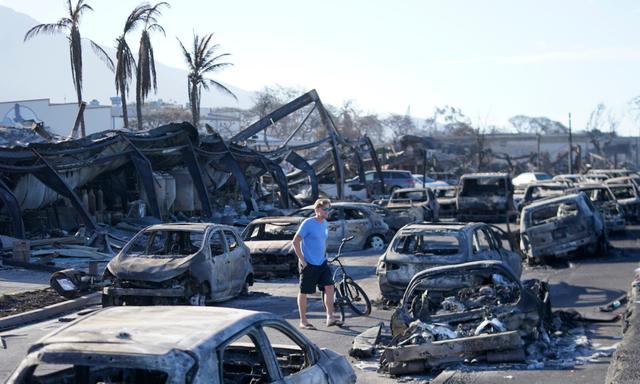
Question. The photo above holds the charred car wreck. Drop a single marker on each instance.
(478, 310)
(179, 264)
(198, 345)
(485, 197)
(602, 197)
(414, 204)
(352, 219)
(270, 241)
(560, 226)
(421, 246)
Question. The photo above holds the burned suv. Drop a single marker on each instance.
(485, 197)
(193, 263)
(417, 247)
(559, 226)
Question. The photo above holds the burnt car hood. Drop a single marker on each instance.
(153, 269)
(273, 247)
(487, 265)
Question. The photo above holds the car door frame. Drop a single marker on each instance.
(237, 261)
(220, 269)
(361, 240)
(306, 345)
(334, 241)
(508, 256)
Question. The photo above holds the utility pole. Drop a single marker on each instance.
(570, 147)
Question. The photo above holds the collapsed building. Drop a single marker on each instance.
(52, 187)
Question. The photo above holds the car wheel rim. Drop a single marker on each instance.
(376, 243)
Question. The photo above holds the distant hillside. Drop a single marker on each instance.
(40, 69)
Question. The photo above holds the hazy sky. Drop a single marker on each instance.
(494, 59)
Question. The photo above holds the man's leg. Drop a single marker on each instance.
(302, 307)
(328, 301)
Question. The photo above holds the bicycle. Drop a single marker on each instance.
(347, 291)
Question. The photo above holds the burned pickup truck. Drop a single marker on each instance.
(192, 263)
(270, 241)
(560, 226)
(417, 247)
(478, 310)
(485, 197)
(415, 204)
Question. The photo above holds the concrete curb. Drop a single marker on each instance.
(36, 315)
(624, 367)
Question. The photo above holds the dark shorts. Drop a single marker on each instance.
(315, 275)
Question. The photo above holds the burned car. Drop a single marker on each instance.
(485, 197)
(417, 204)
(537, 191)
(446, 197)
(605, 201)
(347, 219)
(180, 345)
(628, 197)
(417, 247)
(478, 310)
(193, 263)
(559, 226)
(270, 241)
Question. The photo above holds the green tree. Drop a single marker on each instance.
(70, 25)
(125, 62)
(146, 70)
(202, 60)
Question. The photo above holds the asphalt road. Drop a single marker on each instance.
(581, 284)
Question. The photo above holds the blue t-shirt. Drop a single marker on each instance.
(314, 240)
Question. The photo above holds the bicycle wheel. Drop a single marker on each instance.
(356, 297)
(338, 303)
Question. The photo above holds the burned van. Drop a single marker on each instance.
(485, 197)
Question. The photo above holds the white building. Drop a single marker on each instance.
(59, 118)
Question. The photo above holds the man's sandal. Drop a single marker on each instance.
(334, 322)
(307, 326)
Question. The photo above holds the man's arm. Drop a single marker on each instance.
(297, 240)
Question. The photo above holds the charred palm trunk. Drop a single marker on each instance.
(195, 104)
(138, 100)
(125, 114)
(75, 43)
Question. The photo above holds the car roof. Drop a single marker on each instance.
(428, 226)
(200, 227)
(551, 200)
(153, 329)
(341, 204)
(485, 174)
(420, 189)
(278, 219)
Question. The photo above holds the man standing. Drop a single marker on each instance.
(314, 270)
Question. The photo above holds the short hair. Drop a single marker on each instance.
(321, 203)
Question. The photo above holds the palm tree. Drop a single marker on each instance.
(146, 70)
(202, 60)
(125, 63)
(71, 26)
